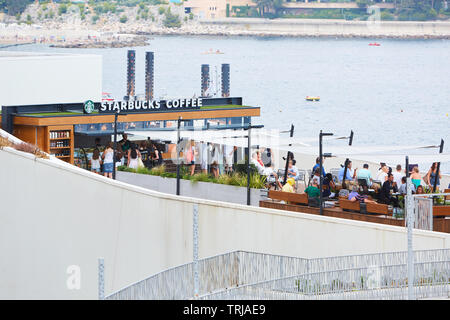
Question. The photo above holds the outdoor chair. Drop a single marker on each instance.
(313, 202)
(335, 174)
(362, 183)
(301, 176)
(280, 174)
(309, 176)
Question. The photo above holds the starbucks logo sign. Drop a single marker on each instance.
(89, 106)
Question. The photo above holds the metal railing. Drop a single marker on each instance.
(423, 213)
(423, 209)
(218, 272)
(375, 282)
(247, 274)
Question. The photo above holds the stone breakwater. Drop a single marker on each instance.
(295, 28)
(137, 41)
(331, 28)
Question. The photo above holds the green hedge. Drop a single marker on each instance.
(238, 178)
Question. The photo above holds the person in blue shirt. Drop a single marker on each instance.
(317, 165)
(350, 174)
(292, 170)
(365, 174)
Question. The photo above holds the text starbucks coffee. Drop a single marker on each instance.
(149, 105)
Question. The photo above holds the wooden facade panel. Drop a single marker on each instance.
(332, 212)
(26, 133)
(439, 224)
(441, 211)
(69, 128)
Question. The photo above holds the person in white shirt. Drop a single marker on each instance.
(220, 158)
(204, 157)
(264, 171)
(398, 174)
(229, 153)
(382, 173)
(316, 177)
(214, 159)
(261, 169)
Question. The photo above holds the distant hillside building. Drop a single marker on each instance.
(212, 9)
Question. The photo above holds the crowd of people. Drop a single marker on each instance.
(353, 183)
(359, 185)
(146, 154)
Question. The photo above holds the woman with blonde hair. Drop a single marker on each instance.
(416, 177)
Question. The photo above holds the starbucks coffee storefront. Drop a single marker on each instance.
(65, 130)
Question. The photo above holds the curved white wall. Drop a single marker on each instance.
(53, 215)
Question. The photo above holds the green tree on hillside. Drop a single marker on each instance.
(123, 19)
(14, 7)
(269, 8)
(172, 20)
(2, 5)
(62, 9)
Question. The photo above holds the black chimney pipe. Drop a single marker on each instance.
(149, 75)
(131, 68)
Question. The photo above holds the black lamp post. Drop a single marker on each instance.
(180, 119)
(441, 149)
(116, 115)
(320, 168)
(350, 141)
(178, 155)
(249, 145)
(289, 155)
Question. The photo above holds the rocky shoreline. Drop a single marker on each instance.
(136, 35)
(70, 30)
(138, 41)
(289, 35)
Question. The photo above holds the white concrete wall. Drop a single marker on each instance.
(322, 27)
(28, 78)
(53, 215)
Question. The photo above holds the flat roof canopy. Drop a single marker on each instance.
(71, 114)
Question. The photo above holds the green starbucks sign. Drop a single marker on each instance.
(89, 106)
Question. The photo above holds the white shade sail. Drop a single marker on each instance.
(275, 140)
(348, 151)
(259, 137)
(393, 160)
